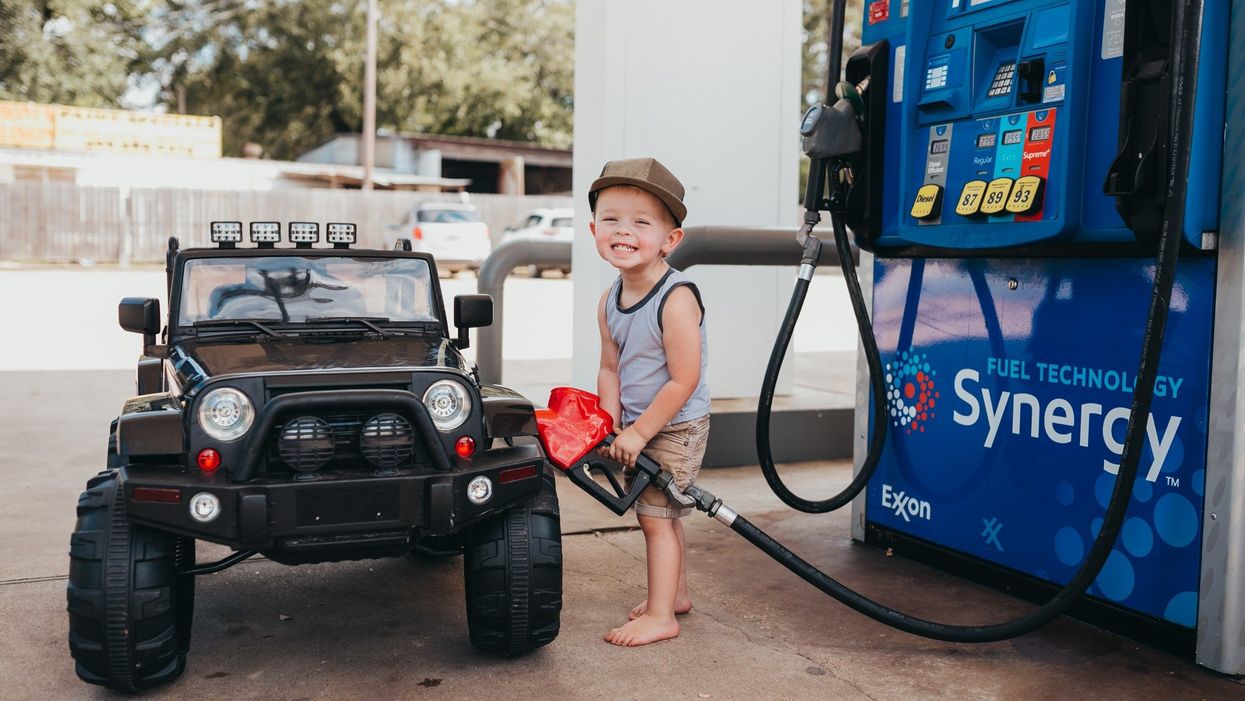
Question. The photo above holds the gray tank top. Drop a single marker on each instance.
(642, 358)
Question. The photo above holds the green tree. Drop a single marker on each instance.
(289, 75)
(817, 44)
(75, 52)
(816, 62)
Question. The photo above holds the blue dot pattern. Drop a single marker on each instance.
(1175, 519)
(1116, 580)
(1137, 536)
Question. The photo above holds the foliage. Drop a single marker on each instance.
(817, 15)
(289, 74)
(77, 52)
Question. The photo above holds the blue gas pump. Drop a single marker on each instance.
(1012, 182)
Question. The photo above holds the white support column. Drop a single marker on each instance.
(712, 91)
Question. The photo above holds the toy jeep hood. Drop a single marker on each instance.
(316, 353)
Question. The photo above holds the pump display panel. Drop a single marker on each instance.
(985, 90)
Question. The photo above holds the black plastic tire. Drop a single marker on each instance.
(129, 610)
(513, 576)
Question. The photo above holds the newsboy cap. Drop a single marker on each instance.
(649, 175)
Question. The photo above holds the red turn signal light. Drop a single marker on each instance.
(209, 460)
(465, 446)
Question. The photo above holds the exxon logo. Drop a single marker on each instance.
(904, 506)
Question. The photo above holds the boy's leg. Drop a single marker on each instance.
(665, 563)
(682, 596)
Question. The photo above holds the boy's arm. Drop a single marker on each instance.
(680, 321)
(608, 387)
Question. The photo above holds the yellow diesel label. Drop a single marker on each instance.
(1026, 195)
(996, 195)
(928, 202)
(970, 198)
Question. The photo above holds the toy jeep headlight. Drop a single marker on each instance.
(448, 403)
(226, 414)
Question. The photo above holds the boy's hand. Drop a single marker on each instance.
(627, 446)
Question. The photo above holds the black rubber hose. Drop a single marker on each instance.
(876, 377)
(1188, 24)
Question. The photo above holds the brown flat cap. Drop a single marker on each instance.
(649, 175)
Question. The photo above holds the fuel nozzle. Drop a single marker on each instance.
(834, 131)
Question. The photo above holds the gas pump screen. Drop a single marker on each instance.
(987, 140)
(940, 146)
(1013, 137)
(1039, 133)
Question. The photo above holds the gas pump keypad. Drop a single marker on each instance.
(997, 193)
(1002, 83)
(928, 202)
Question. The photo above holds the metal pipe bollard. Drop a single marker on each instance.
(493, 272)
(702, 245)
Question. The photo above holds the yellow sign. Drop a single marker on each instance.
(26, 125)
(1026, 196)
(996, 196)
(87, 129)
(928, 202)
(970, 198)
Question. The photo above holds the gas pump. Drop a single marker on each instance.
(1044, 150)
(1025, 176)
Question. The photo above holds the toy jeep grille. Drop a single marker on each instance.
(344, 441)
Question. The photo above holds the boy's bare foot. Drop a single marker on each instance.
(642, 631)
(681, 606)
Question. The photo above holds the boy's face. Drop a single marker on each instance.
(632, 228)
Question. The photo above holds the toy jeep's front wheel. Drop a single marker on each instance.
(513, 573)
(129, 608)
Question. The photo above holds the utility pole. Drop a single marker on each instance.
(369, 99)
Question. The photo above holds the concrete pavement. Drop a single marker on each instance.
(396, 628)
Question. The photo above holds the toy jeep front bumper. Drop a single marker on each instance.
(336, 510)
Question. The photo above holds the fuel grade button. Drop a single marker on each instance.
(1026, 195)
(996, 195)
(928, 202)
(971, 197)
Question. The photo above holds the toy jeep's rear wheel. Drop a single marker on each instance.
(513, 576)
(129, 609)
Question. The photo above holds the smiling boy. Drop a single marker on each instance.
(652, 376)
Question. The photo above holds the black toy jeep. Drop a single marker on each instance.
(309, 405)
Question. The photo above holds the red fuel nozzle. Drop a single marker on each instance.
(572, 426)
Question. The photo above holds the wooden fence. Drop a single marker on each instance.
(59, 222)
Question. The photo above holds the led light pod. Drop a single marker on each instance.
(265, 232)
(342, 235)
(226, 414)
(226, 231)
(448, 404)
(304, 233)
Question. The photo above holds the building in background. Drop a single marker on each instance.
(117, 148)
(492, 165)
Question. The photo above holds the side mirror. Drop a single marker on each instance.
(140, 315)
(471, 311)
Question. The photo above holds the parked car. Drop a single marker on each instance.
(551, 224)
(450, 231)
(308, 404)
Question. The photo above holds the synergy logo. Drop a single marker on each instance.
(910, 393)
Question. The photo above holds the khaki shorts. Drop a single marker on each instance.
(679, 449)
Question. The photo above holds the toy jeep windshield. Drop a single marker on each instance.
(307, 404)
